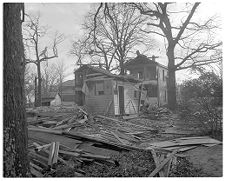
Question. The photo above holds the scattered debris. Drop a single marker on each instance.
(61, 134)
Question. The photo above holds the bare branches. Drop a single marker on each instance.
(114, 33)
(186, 22)
(33, 33)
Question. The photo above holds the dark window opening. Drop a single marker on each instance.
(99, 88)
(165, 95)
(135, 94)
(140, 75)
(151, 90)
(163, 75)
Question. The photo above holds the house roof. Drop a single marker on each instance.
(108, 73)
(49, 95)
(69, 83)
(143, 59)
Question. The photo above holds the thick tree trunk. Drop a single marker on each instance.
(171, 84)
(15, 127)
(122, 69)
(39, 93)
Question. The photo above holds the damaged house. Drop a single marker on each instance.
(153, 76)
(106, 93)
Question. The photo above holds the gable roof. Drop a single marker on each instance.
(69, 83)
(107, 73)
(142, 59)
(49, 95)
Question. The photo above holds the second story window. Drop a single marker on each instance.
(163, 75)
(140, 75)
(99, 88)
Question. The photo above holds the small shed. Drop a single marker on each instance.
(107, 93)
(51, 99)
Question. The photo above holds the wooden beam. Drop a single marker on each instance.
(157, 162)
(164, 162)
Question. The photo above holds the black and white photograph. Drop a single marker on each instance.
(112, 89)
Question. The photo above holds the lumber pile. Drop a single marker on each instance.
(57, 117)
(165, 153)
(60, 134)
(156, 112)
(184, 144)
(44, 157)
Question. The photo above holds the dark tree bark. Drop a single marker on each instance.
(15, 128)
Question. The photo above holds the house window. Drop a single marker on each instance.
(163, 75)
(151, 90)
(99, 88)
(140, 75)
(79, 79)
(135, 94)
(165, 95)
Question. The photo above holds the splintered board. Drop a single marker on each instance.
(48, 138)
(185, 141)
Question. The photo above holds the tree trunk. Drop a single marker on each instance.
(122, 69)
(39, 94)
(171, 84)
(15, 158)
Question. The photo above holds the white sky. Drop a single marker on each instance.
(68, 17)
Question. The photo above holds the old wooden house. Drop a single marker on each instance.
(105, 93)
(51, 99)
(67, 91)
(153, 76)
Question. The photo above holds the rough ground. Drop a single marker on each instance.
(208, 159)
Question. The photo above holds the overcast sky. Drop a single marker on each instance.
(67, 19)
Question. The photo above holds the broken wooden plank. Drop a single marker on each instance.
(168, 165)
(36, 167)
(124, 142)
(45, 130)
(161, 165)
(183, 142)
(55, 155)
(38, 147)
(130, 116)
(51, 153)
(37, 156)
(35, 172)
(100, 157)
(75, 154)
(126, 123)
(157, 162)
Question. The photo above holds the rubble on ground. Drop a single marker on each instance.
(59, 134)
(155, 112)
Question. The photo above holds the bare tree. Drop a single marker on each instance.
(15, 158)
(53, 76)
(29, 85)
(33, 33)
(188, 43)
(113, 35)
(61, 74)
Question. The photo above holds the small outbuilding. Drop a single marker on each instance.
(51, 99)
(105, 93)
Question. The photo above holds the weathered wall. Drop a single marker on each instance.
(130, 102)
(162, 84)
(56, 101)
(99, 103)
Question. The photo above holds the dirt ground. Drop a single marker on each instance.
(208, 159)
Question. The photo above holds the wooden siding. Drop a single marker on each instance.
(100, 103)
(130, 103)
(162, 85)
